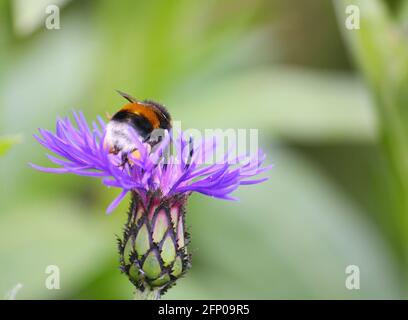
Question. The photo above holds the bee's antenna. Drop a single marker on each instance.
(128, 97)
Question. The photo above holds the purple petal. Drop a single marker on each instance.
(79, 149)
(116, 201)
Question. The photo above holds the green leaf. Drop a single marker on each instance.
(381, 51)
(378, 46)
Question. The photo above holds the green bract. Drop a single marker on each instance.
(153, 252)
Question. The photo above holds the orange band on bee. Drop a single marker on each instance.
(143, 110)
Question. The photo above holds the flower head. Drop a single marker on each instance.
(153, 249)
(178, 165)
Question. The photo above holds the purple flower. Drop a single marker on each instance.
(188, 170)
(153, 249)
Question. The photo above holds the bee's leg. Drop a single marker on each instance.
(125, 159)
(146, 139)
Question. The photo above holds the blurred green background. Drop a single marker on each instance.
(330, 105)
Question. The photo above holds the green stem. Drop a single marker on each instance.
(147, 294)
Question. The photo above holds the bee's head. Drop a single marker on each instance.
(162, 113)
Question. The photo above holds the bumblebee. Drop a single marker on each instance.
(148, 119)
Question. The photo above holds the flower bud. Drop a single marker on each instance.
(153, 252)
